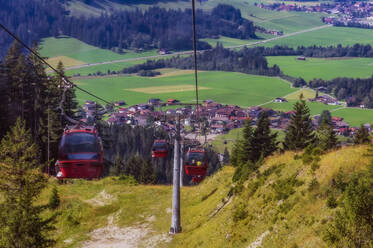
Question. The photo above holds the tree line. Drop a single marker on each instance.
(356, 50)
(216, 59)
(355, 91)
(152, 28)
(127, 151)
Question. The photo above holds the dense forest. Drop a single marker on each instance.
(357, 50)
(26, 92)
(124, 144)
(216, 59)
(153, 28)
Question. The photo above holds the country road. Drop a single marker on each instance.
(190, 52)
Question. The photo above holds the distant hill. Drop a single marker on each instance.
(122, 29)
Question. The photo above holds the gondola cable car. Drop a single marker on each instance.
(196, 164)
(80, 153)
(160, 149)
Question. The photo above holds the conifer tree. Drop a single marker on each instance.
(54, 201)
(299, 133)
(226, 156)
(70, 104)
(361, 136)
(263, 142)
(244, 145)
(326, 136)
(21, 182)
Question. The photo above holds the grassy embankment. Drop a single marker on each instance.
(287, 214)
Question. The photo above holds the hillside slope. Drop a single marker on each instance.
(279, 207)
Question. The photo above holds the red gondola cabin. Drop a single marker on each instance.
(196, 164)
(80, 154)
(160, 149)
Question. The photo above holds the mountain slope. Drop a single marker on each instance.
(279, 207)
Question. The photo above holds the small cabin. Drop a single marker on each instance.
(301, 58)
(280, 99)
(120, 103)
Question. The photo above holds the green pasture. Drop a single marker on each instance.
(355, 116)
(103, 68)
(223, 87)
(292, 21)
(73, 48)
(231, 137)
(327, 69)
(315, 107)
(329, 36)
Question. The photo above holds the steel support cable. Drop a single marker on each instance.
(195, 61)
(69, 83)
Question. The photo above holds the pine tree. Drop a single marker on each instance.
(263, 142)
(226, 156)
(325, 116)
(362, 136)
(326, 136)
(299, 133)
(70, 104)
(244, 145)
(54, 201)
(21, 182)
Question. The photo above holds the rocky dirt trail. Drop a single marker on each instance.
(113, 236)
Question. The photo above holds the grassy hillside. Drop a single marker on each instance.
(115, 212)
(327, 37)
(224, 87)
(315, 107)
(323, 68)
(72, 48)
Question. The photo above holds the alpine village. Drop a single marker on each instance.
(186, 123)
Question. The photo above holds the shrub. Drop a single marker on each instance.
(313, 185)
(285, 187)
(353, 225)
(331, 202)
(240, 212)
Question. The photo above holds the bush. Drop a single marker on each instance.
(313, 185)
(353, 225)
(285, 187)
(331, 202)
(240, 212)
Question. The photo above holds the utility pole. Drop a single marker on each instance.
(181, 164)
(48, 154)
(175, 219)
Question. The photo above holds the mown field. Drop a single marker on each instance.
(327, 69)
(329, 36)
(74, 52)
(355, 116)
(224, 87)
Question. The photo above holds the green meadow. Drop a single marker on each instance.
(224, 87)
(315, 107)
(78, 50)
(329, 36)
(327, 69)
(355, 116)
(84, 71)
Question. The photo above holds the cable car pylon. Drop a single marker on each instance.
(175, 219)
